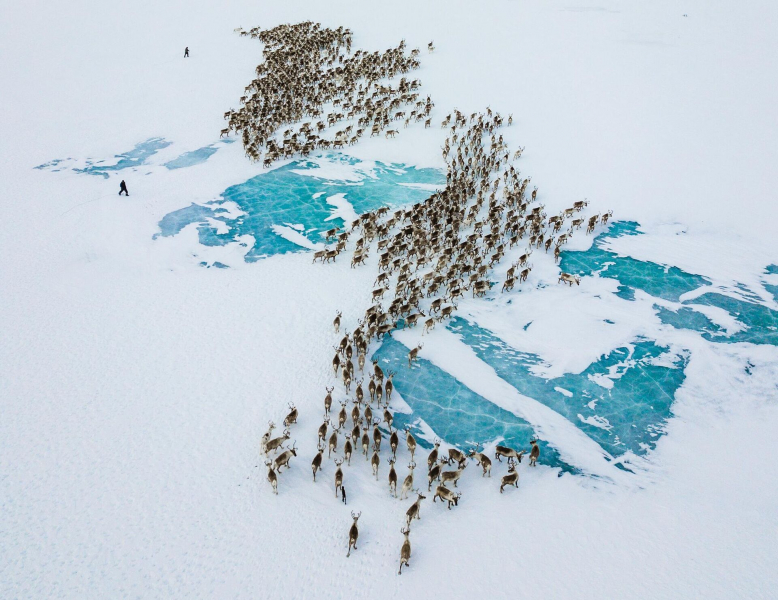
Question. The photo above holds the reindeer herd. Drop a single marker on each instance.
(310, 81)
(428, 255)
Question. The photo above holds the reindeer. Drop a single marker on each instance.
(378, 372)
(408, 481)
(405, 551)
(342, 415)
(389, 387)
(568, 278)
(274, 444)
(580, 205)
(392, 478)
(394, 441)
(365, 442)
(375, 460)
(271, 476)
(317, 460)
(282, 460)
(348, 448)
(447, 495)
(333, 443)
(355, 416)
(434, 474)
(413, 354)
(414, 511)
(328, 401)
(379, 393)
(388, 418)
(429, 325)
(509, 453)
(353, 532)
(360, 394)
(376, 435)
(457, 456)
(534, 453)
(410, 441)
(371, 388)
(336, 322)
(266, 437)
(482, 460)
(338, 476)
(454, 476)
(361, 361)
(323, 428)
(432, 458)
(512, 478)
(368, 414)
(336, 361)
(292, 416)
(446, 312)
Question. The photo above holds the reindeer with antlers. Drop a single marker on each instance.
(271, 476)
(481, 460)
(292, 416)
(534, 453)
(274, 444)
(389, 387)
(408, 482)
(375, 460)
(353, 532)
(328, 400)
(410, 441)
(414, 354)
(266, 437)
(338, 476)
(512, 478)
(282, 460)
(405, 551)
(414, 512)
(342, 415)
(333, 442)
(394, 441)
(317, 460)
(446, 495)
(392, 478)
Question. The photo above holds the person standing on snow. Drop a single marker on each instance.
(123, 188)
(343, 493)
(186, 52)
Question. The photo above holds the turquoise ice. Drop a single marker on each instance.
(627, 415)
(285, 197)
(760, 323)
(194, 157)
(668, 283)
(456, 413)
(136, 157)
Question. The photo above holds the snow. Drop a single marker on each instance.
(135, 385)
(343, 209)
(294, 236)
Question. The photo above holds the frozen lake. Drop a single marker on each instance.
(621, 401)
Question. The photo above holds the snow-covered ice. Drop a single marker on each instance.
(135, 384)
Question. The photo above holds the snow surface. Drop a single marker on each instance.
(135, 385)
